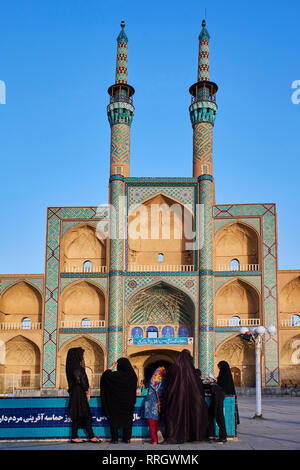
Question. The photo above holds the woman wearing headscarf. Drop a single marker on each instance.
(185, 410)
(79, 393)
(225, 381)
(118, 396)
(152, 404)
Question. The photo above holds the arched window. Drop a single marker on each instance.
(26, 324)
(295, 320)
(136, 332)
(87, 266)
(234, 265)
(167, 332)
(183, 332)
(160, 257)
(234, 321)
(86, 323)
(152, 332)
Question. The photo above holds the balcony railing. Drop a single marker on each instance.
(82, 324)
(85, 269)
(241, 267)
(161, 267)
(20, 326)
(290, 323)
(232, 322)
(9, 383)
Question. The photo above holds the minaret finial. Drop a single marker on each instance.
(121, 68)
(203, 62)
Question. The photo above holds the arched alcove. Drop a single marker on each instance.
(94, 359)
(22, 363)
(238, 243)
(159, 233)
(82, 301)
(237, 299)
(289, 298)
(240, 357)
(80, 247)
(19, 301)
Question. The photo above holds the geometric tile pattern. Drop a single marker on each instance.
(120, 144)
(183, 195)
(10, 281)
(202, 142)
(206, 334)
(55, 217)
(267, 215)
(220, 281)
(252, 221)
(115, 312)
(99, 282)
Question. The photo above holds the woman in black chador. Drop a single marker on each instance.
(185, 409)
(118, 396)
(225, 381)
(79, 392)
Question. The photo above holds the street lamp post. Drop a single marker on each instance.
(256, 336)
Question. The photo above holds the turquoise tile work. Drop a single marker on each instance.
(47, 418)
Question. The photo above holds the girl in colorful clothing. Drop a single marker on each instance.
(151, 405)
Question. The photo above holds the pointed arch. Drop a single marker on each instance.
(94, 357)
(236, 241)
(82, 299)
(22, 363)
(237, 297)
(79, 244)
(160, 225)
(21, 299)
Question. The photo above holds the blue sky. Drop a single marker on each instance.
(58, 59)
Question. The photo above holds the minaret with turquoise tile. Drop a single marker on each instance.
(120, 114)
(203, 110)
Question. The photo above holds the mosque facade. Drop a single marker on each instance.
(161, 268)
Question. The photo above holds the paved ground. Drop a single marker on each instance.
(279, 430)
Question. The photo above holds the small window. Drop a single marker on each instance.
(160, 257)
(234, 265)
(26, 324)
(87, 266)
(152, 332)
(119, 170)
(234, 321)
(295, 320)
(86, 323)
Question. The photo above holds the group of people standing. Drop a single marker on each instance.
(175, 395)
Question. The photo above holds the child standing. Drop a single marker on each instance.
(152, 404)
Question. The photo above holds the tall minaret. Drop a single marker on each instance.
(202, 112)
(120, 114)
(120, 111)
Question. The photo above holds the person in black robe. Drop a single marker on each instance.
(225, 381)
(79, 395)
(185, 409)
(216, 411)
(118, 396)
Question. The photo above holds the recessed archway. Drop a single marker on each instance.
(19, 301)
(94, 358)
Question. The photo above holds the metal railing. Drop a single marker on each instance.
(231, 322)
(241, 267)
(161, 267)
(82, 324)
(9, 383)
(290, 323)
(85, 269)
(20, 326)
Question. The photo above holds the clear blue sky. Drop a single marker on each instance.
(57, 59)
